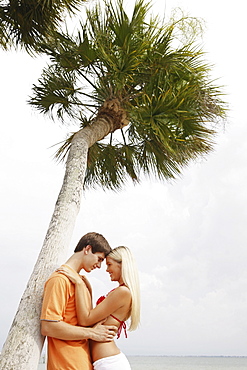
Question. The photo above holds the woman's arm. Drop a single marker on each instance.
(115, 300)
(82, 287)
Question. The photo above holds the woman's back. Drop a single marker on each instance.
(117, 318)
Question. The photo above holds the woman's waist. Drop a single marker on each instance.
(103, 349)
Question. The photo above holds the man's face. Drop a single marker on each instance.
(93, 260)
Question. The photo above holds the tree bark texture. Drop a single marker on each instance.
(24, 342)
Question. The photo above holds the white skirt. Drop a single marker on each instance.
(117, 362)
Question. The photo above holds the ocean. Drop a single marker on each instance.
(187, 363)
(183, 363)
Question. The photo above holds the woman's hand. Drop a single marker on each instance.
(71, 275)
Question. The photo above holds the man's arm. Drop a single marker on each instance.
(64, 331)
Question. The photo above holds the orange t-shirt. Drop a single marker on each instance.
(59, 305)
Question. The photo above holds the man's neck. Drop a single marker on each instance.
(75, 262)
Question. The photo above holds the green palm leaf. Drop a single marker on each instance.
(29, 22)
(162, 85)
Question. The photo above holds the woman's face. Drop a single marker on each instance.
(114, 269)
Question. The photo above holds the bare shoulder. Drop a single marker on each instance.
(122, 291)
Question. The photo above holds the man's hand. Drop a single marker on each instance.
(103, 333)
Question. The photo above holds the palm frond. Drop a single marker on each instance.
(109, 166)
(157, 74)
(57, 91)
(29, 22)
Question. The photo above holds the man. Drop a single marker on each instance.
(67, 342)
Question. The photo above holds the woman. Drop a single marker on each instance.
(119, 305)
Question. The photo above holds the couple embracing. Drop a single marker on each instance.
(81, 337)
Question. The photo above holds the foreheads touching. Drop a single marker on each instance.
(118, 253)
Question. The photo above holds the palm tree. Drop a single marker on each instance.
(127, 72)
(28, 22)
(145, 104)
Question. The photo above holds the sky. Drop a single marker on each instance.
(188, 236)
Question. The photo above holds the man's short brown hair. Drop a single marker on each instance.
(96, 241)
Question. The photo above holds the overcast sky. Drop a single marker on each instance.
(189, 236)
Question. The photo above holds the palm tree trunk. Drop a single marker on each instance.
(24, 342)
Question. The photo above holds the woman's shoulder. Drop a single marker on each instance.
(122, 290)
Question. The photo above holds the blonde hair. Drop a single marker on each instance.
(130, 278)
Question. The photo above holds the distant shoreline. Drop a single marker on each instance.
(43, 358)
